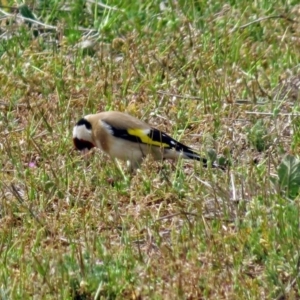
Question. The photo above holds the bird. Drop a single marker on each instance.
(125, 137)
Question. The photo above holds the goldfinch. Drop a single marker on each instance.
(124, 137)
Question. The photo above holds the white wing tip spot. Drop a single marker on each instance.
(107, 127)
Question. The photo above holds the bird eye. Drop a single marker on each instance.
(81, 144)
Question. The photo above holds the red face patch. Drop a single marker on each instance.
(81, 144)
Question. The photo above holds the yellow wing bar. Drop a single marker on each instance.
(146, 139)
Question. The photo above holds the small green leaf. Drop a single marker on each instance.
(26, 12)
(258, 136)
(212, 155)
(289, 175)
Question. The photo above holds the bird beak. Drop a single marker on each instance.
(85, 153)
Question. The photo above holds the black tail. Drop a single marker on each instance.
(190, 154)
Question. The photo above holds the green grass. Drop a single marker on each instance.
(174, 230)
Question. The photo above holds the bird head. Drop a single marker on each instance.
(82, 136)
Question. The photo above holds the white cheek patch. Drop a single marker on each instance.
(74, 132)
(82, 133)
